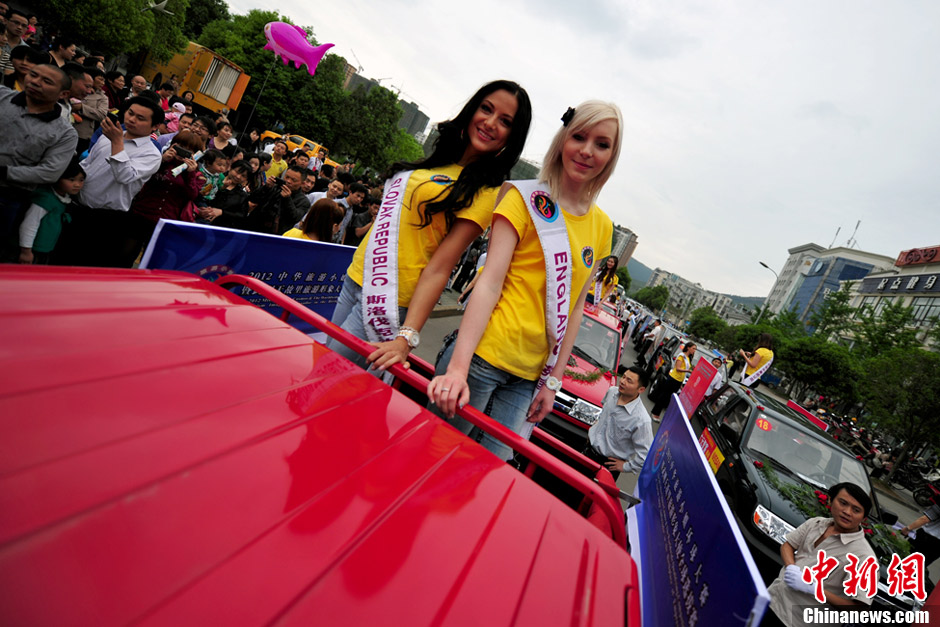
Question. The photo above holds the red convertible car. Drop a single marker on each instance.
(174, 455)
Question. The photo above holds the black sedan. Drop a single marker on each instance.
(774, 468)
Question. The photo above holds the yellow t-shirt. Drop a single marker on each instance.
(298, 234)
(417, 245)
(515, 338)
(277, 168)
(765, 355)
(608, 287)
(681, 362)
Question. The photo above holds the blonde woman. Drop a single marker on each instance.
(510, 354)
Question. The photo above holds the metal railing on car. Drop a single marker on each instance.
(602, 495)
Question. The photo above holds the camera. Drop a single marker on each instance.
(182, 153)
(114, 118)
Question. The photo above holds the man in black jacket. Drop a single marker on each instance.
(280, 204)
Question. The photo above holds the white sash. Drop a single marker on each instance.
(599, 289)
(754, 376)
(553, 236)
(380, 270)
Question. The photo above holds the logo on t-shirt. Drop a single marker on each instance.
(587, 255)
(442, 179)
(544, 206)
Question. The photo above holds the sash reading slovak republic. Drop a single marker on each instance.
(380, 270)
(553, 236)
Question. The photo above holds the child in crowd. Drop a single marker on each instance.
(173, 117)
(40, 229)
(213, 165)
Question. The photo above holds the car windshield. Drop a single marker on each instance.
(813, 460)
(598, 343)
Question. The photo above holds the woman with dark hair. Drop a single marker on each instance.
(320, 223)
(605, 281)
(222, 140)
(113, 84)
(230, 204)
(431, 211)
(758, 361)
(167, 194)
(547, 239)
(23, 59)
(255, 176)
(251, 141)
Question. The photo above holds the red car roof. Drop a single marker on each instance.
(174, 455)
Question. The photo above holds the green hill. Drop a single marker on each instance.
(640, 274)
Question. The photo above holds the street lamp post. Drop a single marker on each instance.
(759, 315)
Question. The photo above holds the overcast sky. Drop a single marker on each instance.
(750, 127)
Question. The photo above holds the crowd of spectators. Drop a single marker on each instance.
(92, 158)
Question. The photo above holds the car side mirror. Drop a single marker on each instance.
(888, 518)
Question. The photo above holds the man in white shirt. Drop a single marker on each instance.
(718, 380)
(623, 433)
(117, 167)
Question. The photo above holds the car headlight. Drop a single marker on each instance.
(585, 412)
(772, 525)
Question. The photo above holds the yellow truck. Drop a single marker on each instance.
(215, 81)
(310, 147)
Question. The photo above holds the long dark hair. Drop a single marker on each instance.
(606, 275)
(489, 170)
(764, 340)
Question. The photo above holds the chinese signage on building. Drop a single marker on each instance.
(916, 256)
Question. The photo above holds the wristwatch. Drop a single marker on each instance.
(411, 336)
(553, 384)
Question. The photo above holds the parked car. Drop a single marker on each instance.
(174, 455)
(592, 370)
(310, 147)
(771, 464)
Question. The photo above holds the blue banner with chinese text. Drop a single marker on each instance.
(695, 568)
(311, 273)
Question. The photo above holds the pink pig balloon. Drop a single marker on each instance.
(290, 43)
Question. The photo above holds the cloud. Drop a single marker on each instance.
(750, 128)
(825, 111)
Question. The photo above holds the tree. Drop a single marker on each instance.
(115, 28)
(623, 278)
(813, 363)
(902, 390)
(366, 126)
(706, 324)
(787, 324)
(653, 297)
(892, 327)
(362, 126)
(834, 315)
(200, 13)
(403, 147)
(759, 313)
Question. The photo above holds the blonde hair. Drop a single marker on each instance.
(587, 115)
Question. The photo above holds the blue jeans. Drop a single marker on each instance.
(348, 315)
(502, 396)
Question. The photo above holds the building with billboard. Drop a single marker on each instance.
(812, 272)
(913, 280)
